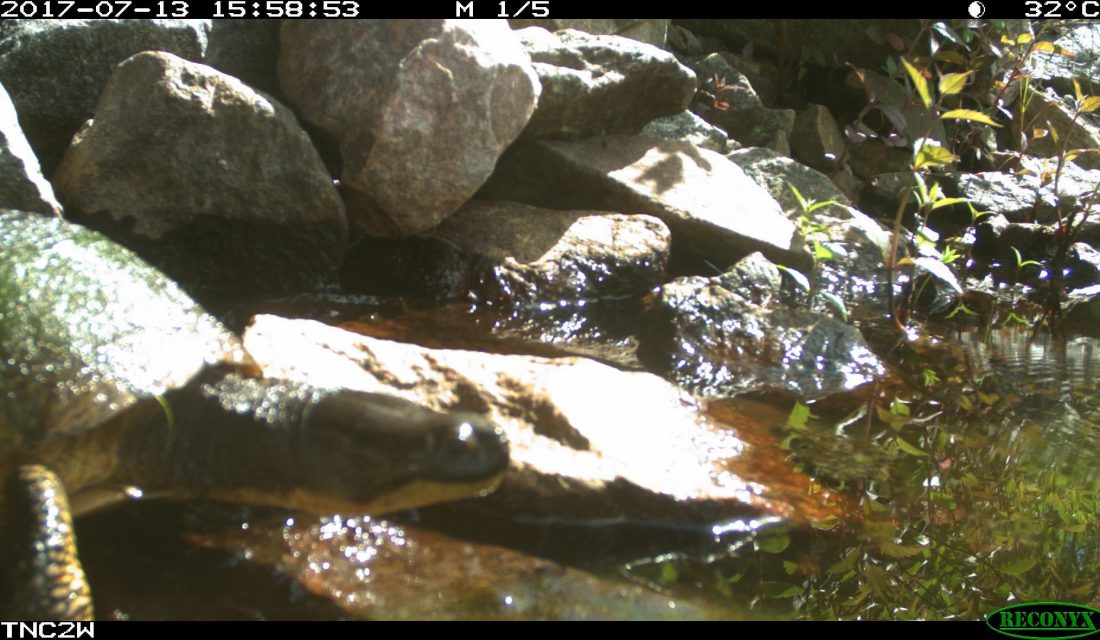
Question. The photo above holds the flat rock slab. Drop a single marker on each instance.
(22, 185)
(210, 180)
(712, 208)
(587, 440)
(601, 84)
(421, 109)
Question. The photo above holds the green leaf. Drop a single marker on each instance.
(931, 155)
(836, 303)
(773, 544)
(962, 308)
(930, 378)
(821, 252)
(919, 83)
(908, 448)
(953, 83)
(1019, 567)
(802, 204)
(969, 114)
(944, 202)
(669, 574)
(799, 416)
(795, 275)
(773, 589)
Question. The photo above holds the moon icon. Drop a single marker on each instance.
(976, 9)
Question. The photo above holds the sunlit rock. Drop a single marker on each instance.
(421, 109)
(594, 85)
(586, 439)
(211, 181)
(712, 208)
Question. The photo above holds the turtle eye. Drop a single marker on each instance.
(466, 449)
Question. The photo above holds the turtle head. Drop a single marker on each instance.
(285, 444)
(380, 453)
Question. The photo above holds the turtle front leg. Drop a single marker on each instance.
(42, 577)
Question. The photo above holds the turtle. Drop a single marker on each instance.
(114, 382)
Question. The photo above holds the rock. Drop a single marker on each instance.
(712, 208)
(1019, 198)
(1082, 40)
(1046, 111)
(22, 185)
(246, 50)
(681, 40)
(816, 139)
(55, 69)
(422, 109)
(586, 440)
(208, 179)
(777, 173)
(541, 255)
(778, 123)
(851, 186)
(727, 100)
(653, 32)
(601, 84)
(1083, 262)
(705, 335)
(829, 43)
(691, 128)
(872, 158)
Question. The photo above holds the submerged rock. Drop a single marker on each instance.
(601, 84)
(586, 440)
(730, 334)
(712, 208)
(209, 180)
(421, 109)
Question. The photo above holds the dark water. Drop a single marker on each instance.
(987, 493)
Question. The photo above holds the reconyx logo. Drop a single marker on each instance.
(1035, 620)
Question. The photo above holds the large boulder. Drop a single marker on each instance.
(213, 182)
(601, 84)
(56, 69)
(421, 109)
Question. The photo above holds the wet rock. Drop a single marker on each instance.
(380, 570)
(422, 109)
(1084, 266)
(712, 208)
(1045, 111)
(56, 69)
(601, 84)
(1082, 40)
(654, 32)
(586, 440)
(707, 336)
(246, 50)
(816, 139)
(543, 256)
(777, 173)
(208, 179)
(1081, 309)
(22, 185)
(688, 127)
(726, 99)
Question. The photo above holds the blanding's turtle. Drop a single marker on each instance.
(112, 378)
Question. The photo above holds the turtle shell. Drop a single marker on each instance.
(88, 330)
